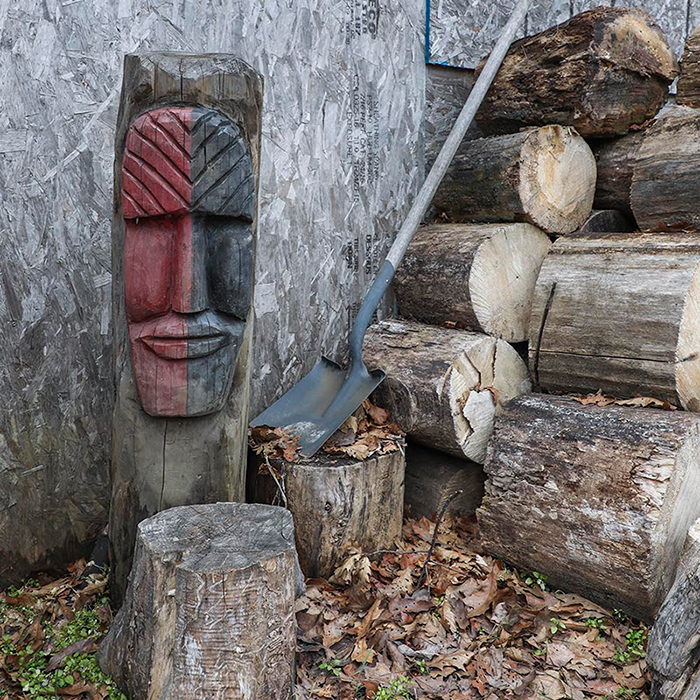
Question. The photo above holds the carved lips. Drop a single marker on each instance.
(188, 200)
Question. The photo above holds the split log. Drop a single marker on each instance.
(602, 72)
(183, 245)
(598, 499)
(543, 176)
(688, 89)
(481, 277)
(615, 159)
(608, 221)
(619, 312)
(337, 503)
(666, 179)
(444, 386)
(209, 610)
(432, 479)
(673, 653)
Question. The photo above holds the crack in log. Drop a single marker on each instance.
(545, 313)
(162, 483)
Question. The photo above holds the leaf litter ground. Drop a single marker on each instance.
(472, 629)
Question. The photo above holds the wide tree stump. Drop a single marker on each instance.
(664, 193)
(337, 503)
(598, 499)
(602, 72)
(209, 610)
(688, 88)
(673, 654)
(619, 312)
(444, 386)
(432, 480)
(481, 277)
(543, 176)
(615, 160)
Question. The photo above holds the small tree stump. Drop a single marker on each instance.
(602, 72)
(688, 90)
(337, 502)
(664, 193)
(673, 654)
(481, 277)
(432, 479)
(619, 312)
(209, 609)
(598, 499)
(543, 176)
(443, 385)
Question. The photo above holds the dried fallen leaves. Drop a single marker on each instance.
(601, 399)
(478, 632)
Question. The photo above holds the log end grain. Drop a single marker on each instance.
(557, 179)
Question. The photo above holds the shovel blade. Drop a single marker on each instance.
(320, 403)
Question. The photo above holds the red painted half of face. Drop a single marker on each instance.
(187, 201)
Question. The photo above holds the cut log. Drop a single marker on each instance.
(602, 72)
(432, 480)
(543, 176)
(444, 386)
(481, 277)
(608, 221)
(688, 89)
(673, 653)
(183, 244)
(597, 499)
(666, 179)
(209, 610)
(619, 312)
(615, 159)
(337, 503)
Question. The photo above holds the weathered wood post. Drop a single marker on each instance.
(183, 244)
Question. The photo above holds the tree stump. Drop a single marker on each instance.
(673, 653)
(482, 277)
(183, 246)
(688, 89)
(667, 174)
(543, 176)
(619, 312)
(615, 159)
(601, 72)
(444, 386)
(598, 499)
(209, 610)
(337, 503)
(432, 480)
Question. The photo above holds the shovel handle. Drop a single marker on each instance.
(427, 191)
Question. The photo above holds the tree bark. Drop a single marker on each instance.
(688, 88)
(444, 386)
(432, 479)
(337, 503)
(615, 159)
(597, 499)
(667, 174)
(673, 653)
(619, 312)
(183, 245)
(543, 176)
(482, 277)
(209, 611)
(601, 72)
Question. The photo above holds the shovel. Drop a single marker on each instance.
(326, 397)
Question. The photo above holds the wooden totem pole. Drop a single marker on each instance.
(183, 245)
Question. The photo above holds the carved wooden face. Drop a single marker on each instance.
(188, 200)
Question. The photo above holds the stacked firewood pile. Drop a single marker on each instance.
(594, 479)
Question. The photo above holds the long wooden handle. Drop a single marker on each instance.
(437, 172)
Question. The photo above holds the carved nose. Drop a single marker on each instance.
(189, 276)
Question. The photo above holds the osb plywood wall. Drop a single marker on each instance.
(342, 155)
(461, 32)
